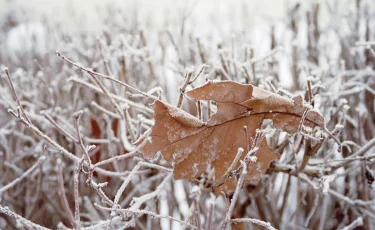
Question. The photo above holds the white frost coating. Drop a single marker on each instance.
(20, 221)
(361, 109)
(180, 194)
(89, 148)
(124, 106)
(253, 159)
(175, 224)
(171, 134)
(194, 189)
(181, 154)
(164, 210)
(171, 82)
(318, 133)
(195, 168)
(307, 128)
(316, 111)
(339, 126)
(26, 38)
(212, 148)
(278, 183)
(326, 181)
(211, 201)
(346, 107)
(179, 113)
(124, 139)
(307, 105)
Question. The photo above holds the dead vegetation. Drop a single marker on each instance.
(69, 121)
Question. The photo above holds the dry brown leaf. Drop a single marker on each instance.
(193, 145)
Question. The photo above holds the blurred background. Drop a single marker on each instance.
(273, 44)
(27, 25)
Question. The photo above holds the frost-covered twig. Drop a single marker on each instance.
(16, 96)
(365, 43)
(61, 149)
(233, 202)
(229, 170)
(368, 146)
(135, 169)
(117, 97)
(25, 222)
(356, 223)
(61, 192)
(104, 76)
(312, 210)
(195, 194)
(77, 171)
(267, 225)
(211, 211)
(77, 118)
(188, 75)
(23, 176)
(128, 178)
(145, 212)
(138, 201)
(61, 129)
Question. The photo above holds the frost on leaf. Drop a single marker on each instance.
(193, 145)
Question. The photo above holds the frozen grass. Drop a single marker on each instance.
(68, 120)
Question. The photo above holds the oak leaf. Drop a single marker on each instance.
(193, 145)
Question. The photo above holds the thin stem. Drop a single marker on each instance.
(61, 129)
(16, 96)
(150, 65)
(286, 197)
(365, 43)
(116, 97)
(360, 152)
(77, 171)
(312, 210)
(129, 124)
(254, 221)
(211, 211)
(270, 54)
(145, 212)
(309, 152)
(310, 93)
(199, 108)
(23, 176)
(188, 75)
(104, 76)
(61, 149)
(105, 61)
(233, 202)
(229, 170)
(121, 190)
(114, 115)
(77, 118)
(137, 202)
(201, 51)
(122, 157)
(356, 223)
(195, 193)
(64, 200)
(5, 210)
(199, 73)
